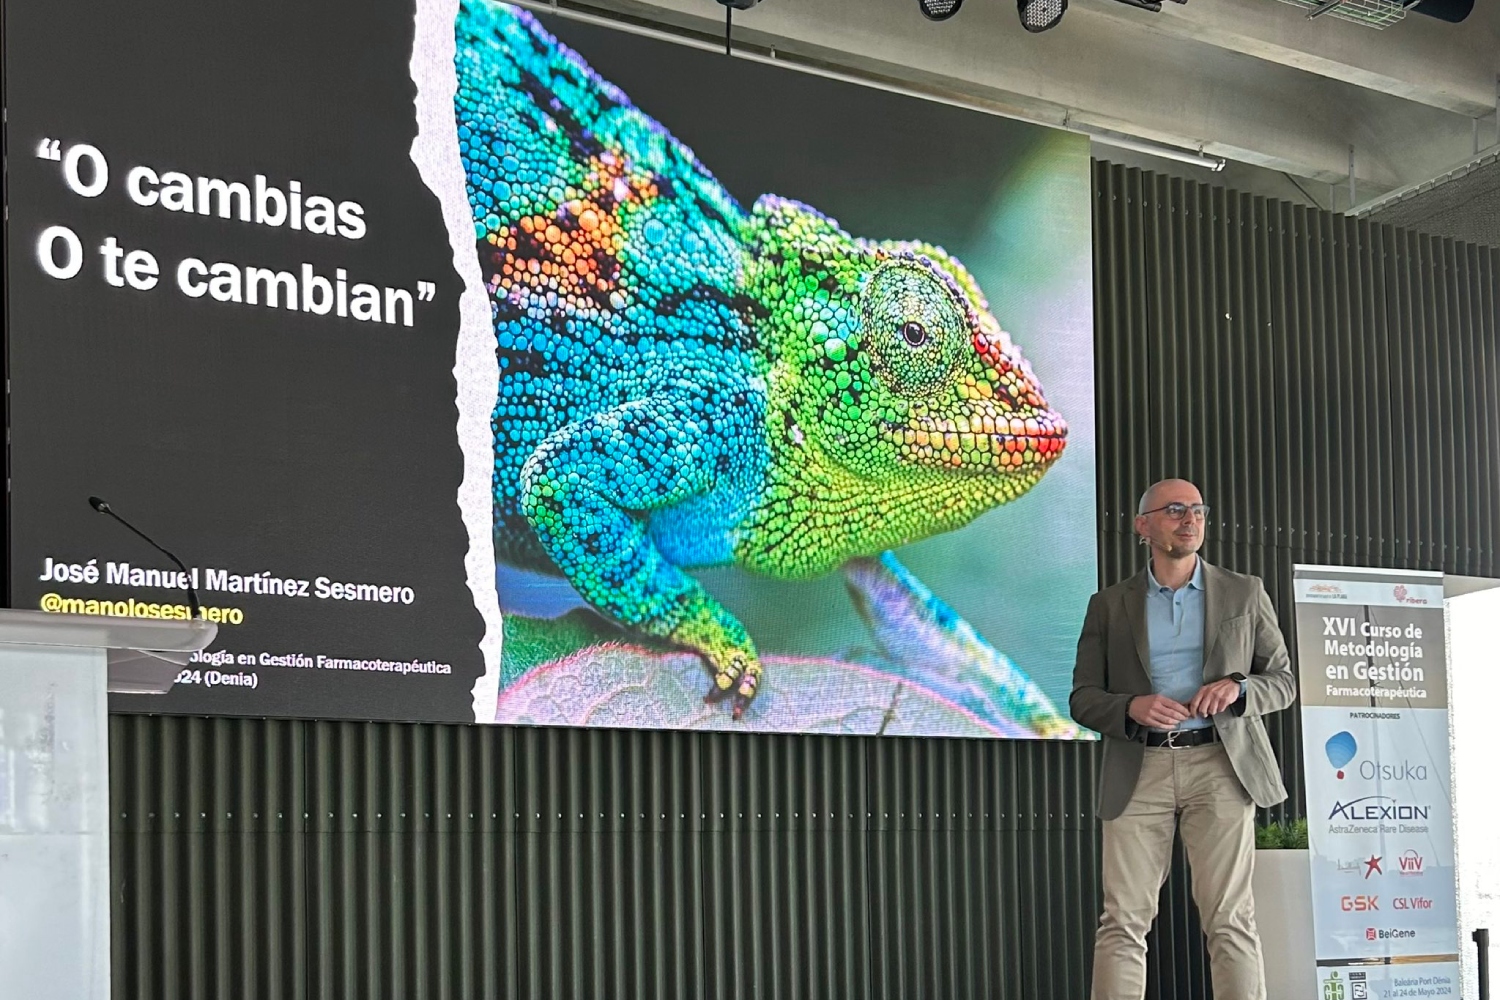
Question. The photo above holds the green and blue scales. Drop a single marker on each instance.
(685, 383)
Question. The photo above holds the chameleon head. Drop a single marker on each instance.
(954, 393)
(892, 366)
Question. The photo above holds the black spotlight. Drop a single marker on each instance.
(739, 4)
(1039, 15)
(939, 10)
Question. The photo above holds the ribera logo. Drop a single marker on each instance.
(1377, 807)
(1410, 863)
(1402, 595)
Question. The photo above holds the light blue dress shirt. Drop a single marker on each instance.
(1174, 623)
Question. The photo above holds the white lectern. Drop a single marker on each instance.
(55, 671)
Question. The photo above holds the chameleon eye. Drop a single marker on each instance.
(914, 326)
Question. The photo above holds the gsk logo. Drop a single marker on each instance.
(1359, 904)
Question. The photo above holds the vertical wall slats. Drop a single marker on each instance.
(1334, 387)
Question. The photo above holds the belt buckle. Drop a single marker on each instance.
(1171, 743)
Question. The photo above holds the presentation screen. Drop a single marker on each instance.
(485, 365)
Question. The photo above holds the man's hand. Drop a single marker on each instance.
(1157, 711)
(1212, 699)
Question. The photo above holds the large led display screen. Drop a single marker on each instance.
(485, 365)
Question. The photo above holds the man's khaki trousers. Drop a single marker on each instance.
(1198, 787)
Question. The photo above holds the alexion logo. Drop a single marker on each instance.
(1377, 807)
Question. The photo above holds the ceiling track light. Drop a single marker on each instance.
(939, 10)
(730, 6)
(1040, 15)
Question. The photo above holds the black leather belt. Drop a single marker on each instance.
(1179, 738)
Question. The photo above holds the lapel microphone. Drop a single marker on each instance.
(104, 508)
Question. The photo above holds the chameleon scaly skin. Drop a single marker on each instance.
(684, 383)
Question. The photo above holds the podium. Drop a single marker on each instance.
(56, 671)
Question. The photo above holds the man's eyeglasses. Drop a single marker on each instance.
(1178, 511)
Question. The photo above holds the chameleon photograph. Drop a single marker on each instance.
(689, 382)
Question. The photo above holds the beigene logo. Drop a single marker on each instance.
(1340, 749)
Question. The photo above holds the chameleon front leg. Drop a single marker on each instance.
(586, 490)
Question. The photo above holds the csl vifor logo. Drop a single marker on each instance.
(1340, 749)
(1333, 987)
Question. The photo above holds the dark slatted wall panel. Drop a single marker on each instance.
(1330, 383)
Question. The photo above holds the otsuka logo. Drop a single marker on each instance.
(1340, 749)
(1410, 863)
(1359, 904)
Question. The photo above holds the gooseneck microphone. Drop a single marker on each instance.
(104, 508)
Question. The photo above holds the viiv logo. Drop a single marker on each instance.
(1340, 749)
(1411, 862)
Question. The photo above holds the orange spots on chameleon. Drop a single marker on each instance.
(574, 252)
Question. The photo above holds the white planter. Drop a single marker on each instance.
(1283, 915)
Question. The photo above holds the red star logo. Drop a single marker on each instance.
(1372, 867)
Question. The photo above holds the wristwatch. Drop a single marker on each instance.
(1237, 676)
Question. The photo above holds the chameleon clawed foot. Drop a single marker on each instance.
(739, 677)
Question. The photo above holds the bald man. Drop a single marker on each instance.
(1177, 667)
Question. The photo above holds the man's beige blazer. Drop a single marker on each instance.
(1113, 666)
